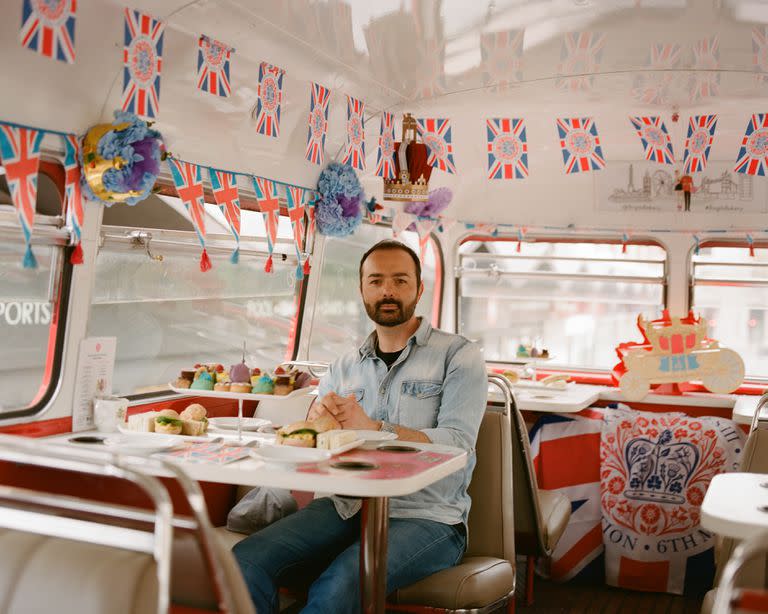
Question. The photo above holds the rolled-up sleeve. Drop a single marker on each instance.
(464, 397)
(327, 382)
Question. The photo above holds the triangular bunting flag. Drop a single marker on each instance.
(73, 204)
(189, 186)
(401, 221)
(424, 227)
(269, 204)
(295, 199)
(225, 193)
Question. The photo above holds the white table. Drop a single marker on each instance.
(397, 474)
(733, 505)
(571, 399)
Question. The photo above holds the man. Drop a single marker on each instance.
(421, 383)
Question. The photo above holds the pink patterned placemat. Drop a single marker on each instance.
(387, 465)
(203, 452)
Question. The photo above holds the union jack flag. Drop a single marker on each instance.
(142, 62)
(355, 151)
(385, 157)
(224, 185)
(706, 53)
(436, 134)
(580, 144)
(580, 57)
(188, 180)
(698, 142)
(653, 88)
(295, 200)
(269, 204)
(655, 139)
(318, 123)
(48, 27)
(501, 56)
(213, 67)
(270, 93)
(753, 155)
(760, 51)
(73, 194)
(507, 149)
(311, 212)
(20, 152)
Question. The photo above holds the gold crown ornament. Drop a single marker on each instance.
(410, 162)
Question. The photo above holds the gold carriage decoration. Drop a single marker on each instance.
(412, 173)
(674, 351)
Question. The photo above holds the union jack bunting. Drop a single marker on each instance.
(213, 67)
(507, 149)
(653, 88)
(224, 185)
(385, 157)
(436, 134)
(580, 144)
(142, 61)
(311, 213)
(188, 180)
(73, 205)
(706, 54)
(270, 93)
(501, 55)
(760, 51)
(655, 139)
(295, 200)
(373, 217)
(424, 227)
(269, 204)
(48, 27)
(753, 155)
(355, 150)
(20, 152)
(431, 80)
(580, 57)
(698, 142)
(318, 123)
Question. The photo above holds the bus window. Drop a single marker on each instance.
(577, 300)
(168, 315)
(730, 289)
(340, 322)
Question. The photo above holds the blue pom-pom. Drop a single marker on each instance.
(235, 257)
(29, 259)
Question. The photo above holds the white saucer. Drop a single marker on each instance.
(375, 435)
(126, 431)
(289, 455)
(139, 444)
(230, 424)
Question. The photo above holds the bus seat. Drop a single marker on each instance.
(486, 575)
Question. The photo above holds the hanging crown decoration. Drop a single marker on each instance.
(411, 183)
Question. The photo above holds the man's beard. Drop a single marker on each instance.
(394, 317)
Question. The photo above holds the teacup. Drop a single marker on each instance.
(109, 412)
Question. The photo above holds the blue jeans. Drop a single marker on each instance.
(316, 542)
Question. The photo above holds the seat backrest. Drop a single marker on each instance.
(491, 517)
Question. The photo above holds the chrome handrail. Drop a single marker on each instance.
(746, 550)
(756, 416)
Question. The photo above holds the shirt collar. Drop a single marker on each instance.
(420, 337)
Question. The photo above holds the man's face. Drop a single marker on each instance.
(389, 288)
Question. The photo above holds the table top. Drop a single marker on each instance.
(571, 399)
(734, 503)
(393, 474)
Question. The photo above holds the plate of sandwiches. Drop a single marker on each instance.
(190, 423)
(230, 424)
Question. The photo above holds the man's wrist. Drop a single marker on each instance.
(388, 427)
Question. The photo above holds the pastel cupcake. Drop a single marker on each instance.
(203, 381)
(263, 385)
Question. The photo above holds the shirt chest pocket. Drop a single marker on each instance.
(419, 403)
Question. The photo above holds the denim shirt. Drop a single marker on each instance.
(438, 385)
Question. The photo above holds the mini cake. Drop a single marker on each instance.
(255, 375)
(284, 381)
(182, 382)
(222, 387)
(203, 380)
(222, 375)
(523, 351)
(544, 353)
(263, 385)
(303, 379)
(240, 376)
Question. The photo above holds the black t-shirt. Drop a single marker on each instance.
(389, 358)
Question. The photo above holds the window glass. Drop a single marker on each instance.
(730, 289)
(340, 323)
(577, 300)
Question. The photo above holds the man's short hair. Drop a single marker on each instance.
(392, 244)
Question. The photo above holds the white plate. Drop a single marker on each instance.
(290, 455)
(376, 435)
(126, 431)
(346, 446)
(138, 444)
(230, 424)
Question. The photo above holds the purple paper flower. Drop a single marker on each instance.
(437, 200)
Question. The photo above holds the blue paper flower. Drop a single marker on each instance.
(338, 211)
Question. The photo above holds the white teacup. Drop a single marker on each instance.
(108, 412)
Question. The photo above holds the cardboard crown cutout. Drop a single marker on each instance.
(411, 169)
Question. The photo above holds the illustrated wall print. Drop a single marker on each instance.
(213, 59)
(270, 92)
(49, 28)
(580, 57)
(645, 186)
(653, 87)
(501, 56)
(142, 61)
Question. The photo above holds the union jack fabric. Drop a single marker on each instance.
(698, 142)
(213, 59)
(557, 439)
(580, 144)
(655, 139)
(317, 126)
(270, 92)
(355, 150)
(436, 134)
(706, 54)
(501, 55)
(295, 200)
(760, 51)
(653, 87)
(188, 179)
(48, 27)
(580, 57)
(753, 154)
(73, 194)
(226, 195)
(142, 63)
(20, 152)
(269, 204)
(507, 149)
(385, 157)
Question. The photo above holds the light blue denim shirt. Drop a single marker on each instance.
(438, 385)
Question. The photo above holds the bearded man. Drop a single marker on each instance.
(424, 385)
